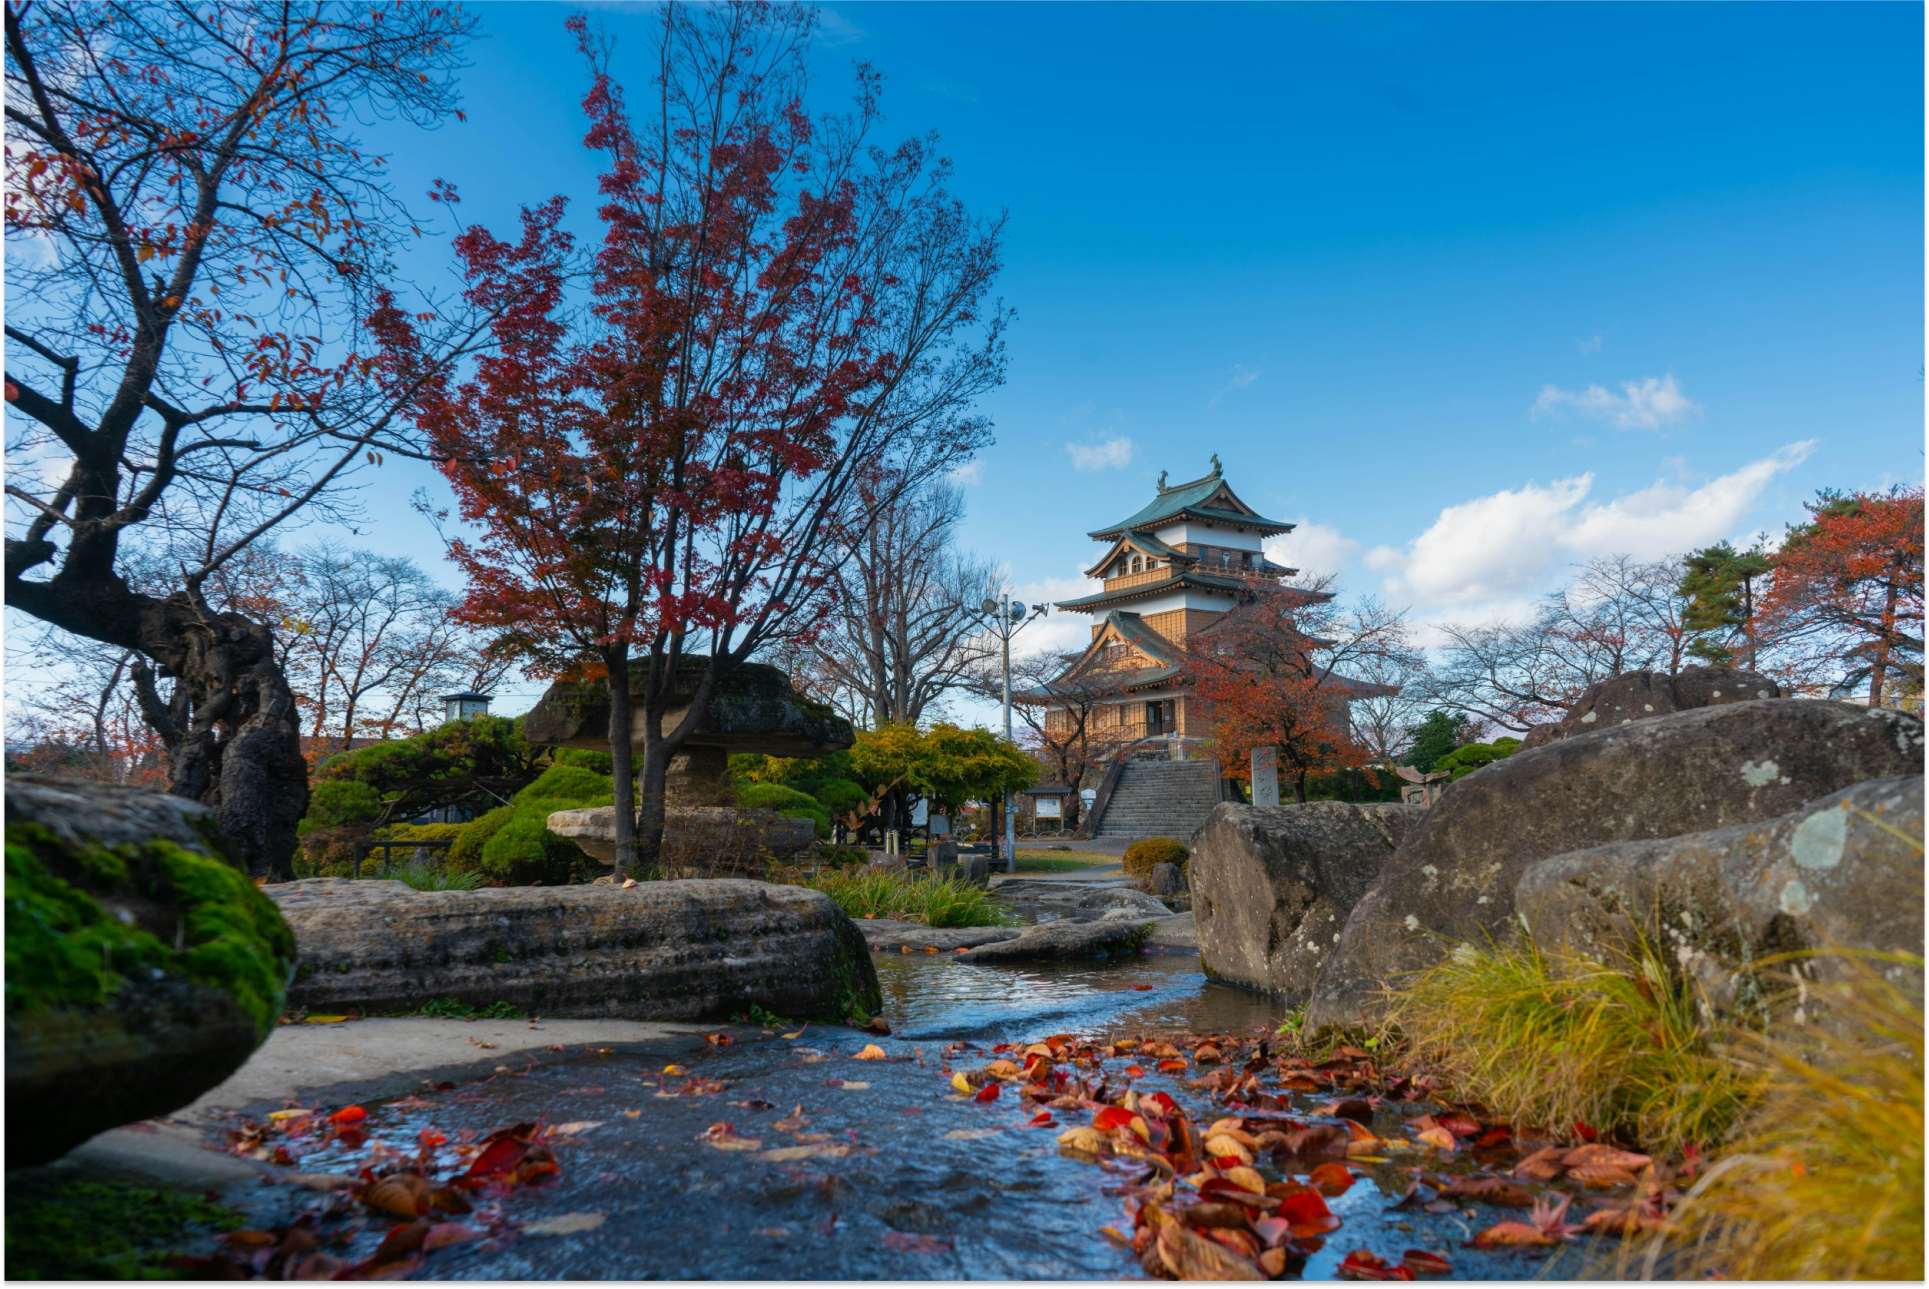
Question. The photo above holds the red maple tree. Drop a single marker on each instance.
(1850, 580)
(775, 308)
(1270, 673)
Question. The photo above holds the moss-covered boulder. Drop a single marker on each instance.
(143, 967)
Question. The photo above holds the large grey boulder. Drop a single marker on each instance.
(693, 950)
(1641, 695)
(1272, 885)
(1713, 767)
(1064, 938)
(143, 967)
(1844, 872)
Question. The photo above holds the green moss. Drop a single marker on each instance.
(65, 950)
(103, 1230)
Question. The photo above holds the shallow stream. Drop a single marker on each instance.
(910, 1180)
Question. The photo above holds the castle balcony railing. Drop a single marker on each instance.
(1126, 581)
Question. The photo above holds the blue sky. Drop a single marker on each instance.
(1473, 291)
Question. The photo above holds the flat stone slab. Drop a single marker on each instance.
(888, 935)
(1176, 932)
(1064, 938)
(685, 950)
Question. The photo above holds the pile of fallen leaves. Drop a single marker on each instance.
(1199, 1206)
(441, 1194)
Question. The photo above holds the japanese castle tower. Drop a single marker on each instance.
(1169, 571)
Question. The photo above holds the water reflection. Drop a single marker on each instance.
(936, 997)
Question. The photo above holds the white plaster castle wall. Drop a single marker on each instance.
(1188, 599)
(1199, 534)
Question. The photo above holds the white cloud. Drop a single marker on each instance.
(1113, 454)
(1592, 345)
(1241, 377)
(1314, 549)
(968, 473)
(1492, 555)
(1645, 404)
(1057, 632)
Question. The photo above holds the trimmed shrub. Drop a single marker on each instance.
(1141, 856)
(418, 832)
(1463, 761)
(567, 783)
(839, 796)
(338, 803)
(466, 854)
(583, 758)
(523, 851)
(787, 802)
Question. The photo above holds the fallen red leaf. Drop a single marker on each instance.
(1308, 1214)
(1362, 1265)
(989, 1092)
(348, 1114)
(1111, 1117)
(1425, 1262)
(1332, 1179)
(905, 1242)
(1135, 1071)
(1143, 988)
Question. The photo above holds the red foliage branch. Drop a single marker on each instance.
(1853, 575)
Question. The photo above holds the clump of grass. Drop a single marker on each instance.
(1559, 1040)
(451, 1009)
(932, 901)
(1823, 1181)
(425, 874)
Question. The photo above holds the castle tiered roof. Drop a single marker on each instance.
(1208, 499)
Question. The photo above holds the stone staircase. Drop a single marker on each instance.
(1160, 799)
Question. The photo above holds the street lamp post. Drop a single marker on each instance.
(1008, 618)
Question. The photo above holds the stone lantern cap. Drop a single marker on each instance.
(755, 710)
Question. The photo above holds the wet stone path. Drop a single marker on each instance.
(780, 1157)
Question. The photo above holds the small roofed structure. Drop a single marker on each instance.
(460, 707)
(1050, 801)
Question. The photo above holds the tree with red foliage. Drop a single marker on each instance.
(194, 234)
(1850, 582)
(1271, 673)
(776, 309)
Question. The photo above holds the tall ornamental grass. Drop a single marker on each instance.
(933, 901)
(1566, 1043)
(1823, 1179)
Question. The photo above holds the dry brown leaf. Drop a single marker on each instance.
(1087, 1139)
(403, 1194)
(1225, 1147)
(444, 1234)
(566, 1224)
(1246, 1179)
